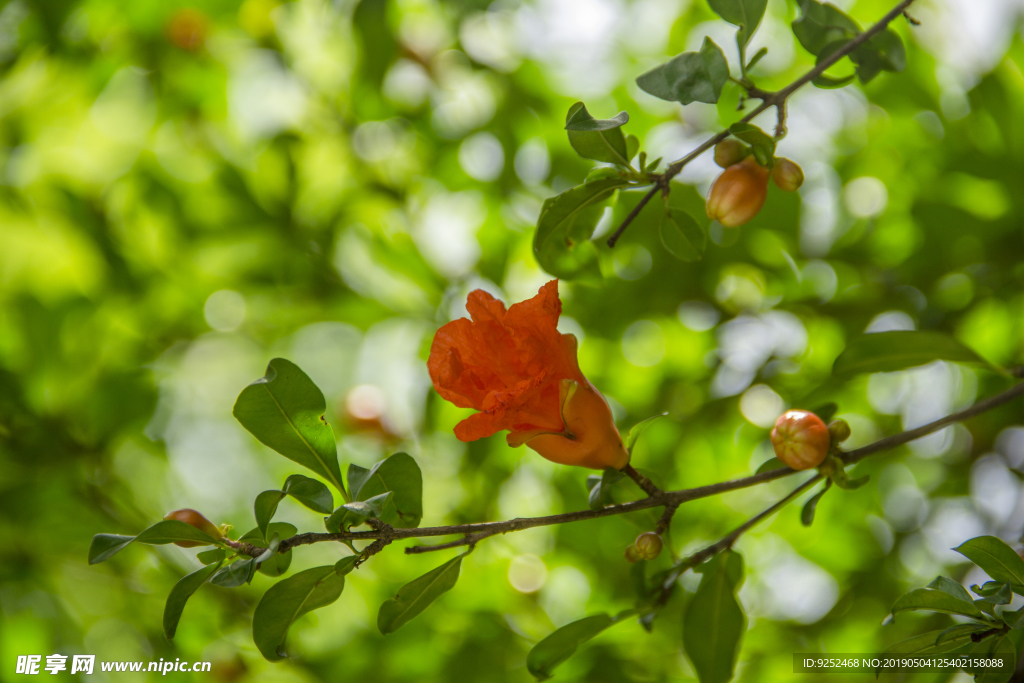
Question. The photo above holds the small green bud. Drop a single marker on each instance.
(787, 174)
(631, 554)
(839, 431)
(648, 545)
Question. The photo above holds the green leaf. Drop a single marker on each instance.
(761, 144)
(579, 119)
(235, 574)
(562, 243)
(632, 146)
(345, 565)
(820, 25)
(925, 644)
(950, 587)
(769, 465)
(277, 565)
(265, 507)
(959, 635)
(282, 529)
(416, 596)
(936, 601)
(884, 52)
(746, 14)
(285, 411)
(212, 556)
(182, 591)
(563, 642)
(399, 474)
(682, 235)
(357, 512)
(310, 492)
(831, 83)
(105, 546)
(807, 514)
(289, 599)
(999, 560)
(1014, 619)
(601, 488)
(1001, 597)
(714, 622)
(597, 139)
(689, 77)
(639, 428)
(171, 530)
(989, 588)
(899, 350)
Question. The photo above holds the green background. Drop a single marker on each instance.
(185, 194)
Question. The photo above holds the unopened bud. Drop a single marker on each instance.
(648, 545)
(800, 439)
(197, 520)
(787, 174)
(730, 151)
(839, 430)
(631, 554)
(738, 193)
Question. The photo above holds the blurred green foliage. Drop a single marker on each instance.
(189, 191)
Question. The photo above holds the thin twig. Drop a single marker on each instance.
(776, 99)
(662, 499)
(643, 482)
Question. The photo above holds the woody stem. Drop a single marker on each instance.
(477, 531)
(643, 482)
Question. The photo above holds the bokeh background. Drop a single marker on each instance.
(188, 190)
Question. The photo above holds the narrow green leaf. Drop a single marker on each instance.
(285, 411)
(282, 529)
(682, 235)
(807, 514)
(289, 599)
(562, 243)
(639, 428)
(310, 492)
(769, 465)
(105, 546)
(357, 512)
(936, 601)
(922, 644)
(171, 530)
(632, 146)
(399, 474)
(999, 560)
(1014, 619)
(714, 621)
(950, 587)
(597, 139)
(988, 588)
(417, 595)
(746, 14)
(899, 350)
(265, 507)
(345, 565)
(689, 77)
(563, 642)
(182, 591)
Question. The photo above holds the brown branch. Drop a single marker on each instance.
(768, 100)
(727, 541)
(661, 499)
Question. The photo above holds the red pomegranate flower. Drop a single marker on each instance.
(522, 375)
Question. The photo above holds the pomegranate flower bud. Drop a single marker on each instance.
(648, 545)
(787, 174)
(738, 193)
(800, 439)
(195, 519)
(730, 151)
